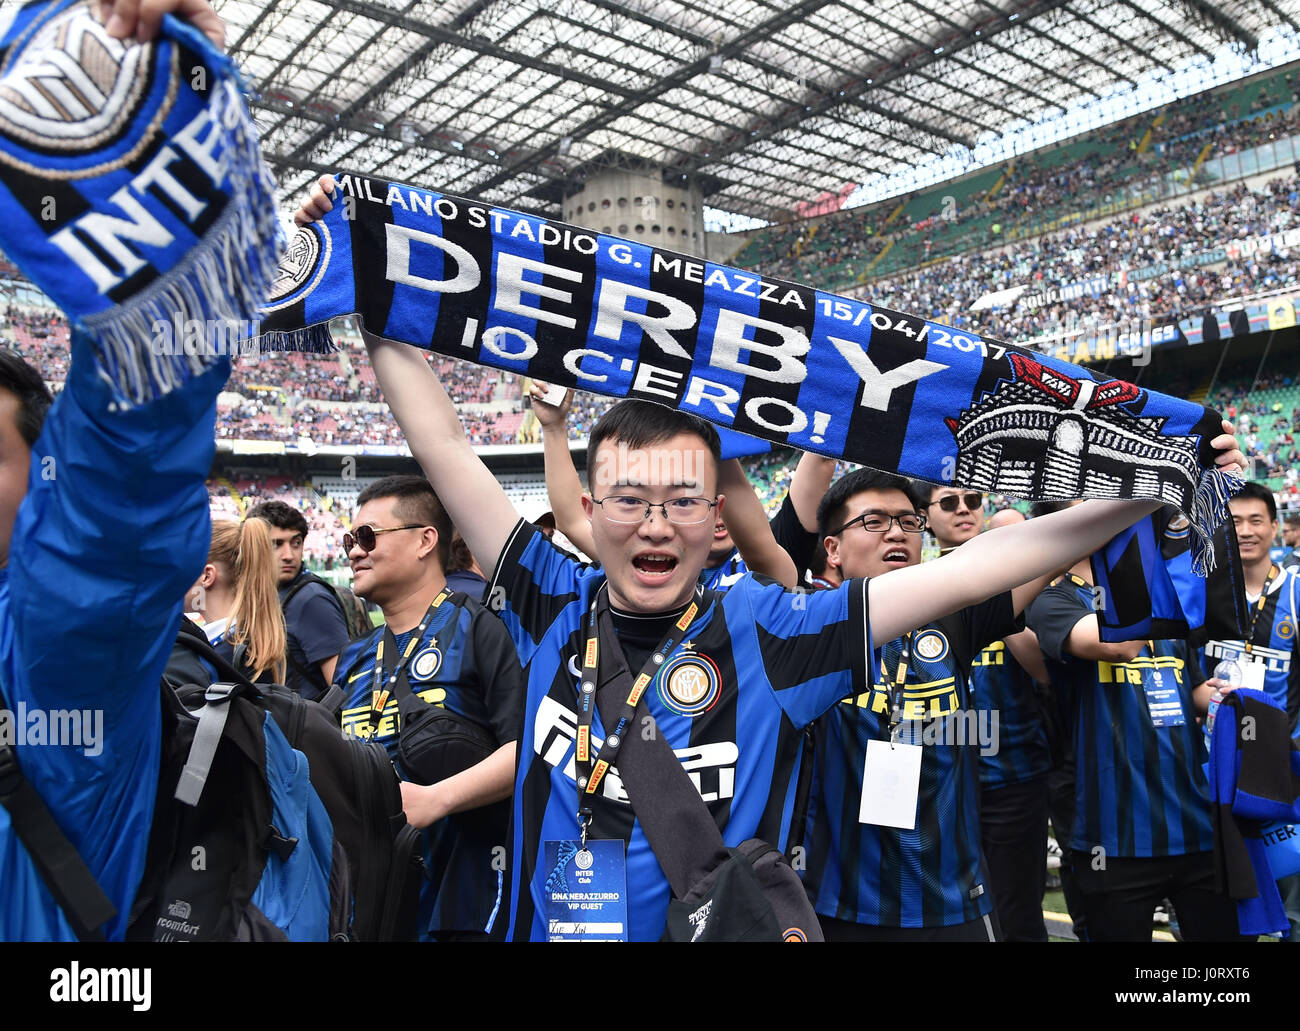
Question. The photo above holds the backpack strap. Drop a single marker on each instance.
(332, 699)
(308, 577)
(212, 718)
(56, 859)
(305, 578)
(201, 646)
(676, 822)
(207, 736)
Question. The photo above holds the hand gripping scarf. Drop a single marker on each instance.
(768, 358)
(132, 189)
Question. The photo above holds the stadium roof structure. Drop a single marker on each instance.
(766, 103)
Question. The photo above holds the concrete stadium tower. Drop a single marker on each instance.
(638, 205)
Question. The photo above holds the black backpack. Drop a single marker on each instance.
(355, 614)
(354, 780)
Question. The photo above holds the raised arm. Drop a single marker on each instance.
(563, 488)
(997, 560)
(809, 484)
(1011, 558)
(748, 526)
(468, 490)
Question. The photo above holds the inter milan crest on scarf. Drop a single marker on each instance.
(131, 186)
(772, 359)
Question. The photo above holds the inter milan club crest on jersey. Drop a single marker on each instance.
(426, 663)
(931, 645)
(689, 684)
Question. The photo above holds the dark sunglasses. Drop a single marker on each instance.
(949, 504)
(363, 536)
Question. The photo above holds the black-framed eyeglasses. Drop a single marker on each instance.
(971, 499)
(363, 536)
(624, 508)
(881, 522)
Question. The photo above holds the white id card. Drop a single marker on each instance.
(1252, 673)
(891, 780)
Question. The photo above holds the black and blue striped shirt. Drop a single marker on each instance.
(1140, 790)
(1000, 684)
(932, 875)
(465, 663)
(757, 664)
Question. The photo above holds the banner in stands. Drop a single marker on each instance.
(768, 358)
(1137, 338)
(1207, 328)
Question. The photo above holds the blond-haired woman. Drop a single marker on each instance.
(237, 600)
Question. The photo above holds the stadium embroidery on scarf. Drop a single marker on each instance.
(772, 359)
(132, 189)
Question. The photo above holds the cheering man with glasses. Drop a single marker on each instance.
(919, 875)
(723, 682)
(439, 686)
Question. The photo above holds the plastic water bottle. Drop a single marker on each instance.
(1228, 671)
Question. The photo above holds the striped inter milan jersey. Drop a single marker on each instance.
(932, 875)
(1140, 789)
(790, 536)
(1000, 684)
(465, 663)
(725, 573)
(1272, 643)
(757, 664)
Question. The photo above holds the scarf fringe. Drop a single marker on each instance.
(1209, 510)
(315, 339)
(220, 283)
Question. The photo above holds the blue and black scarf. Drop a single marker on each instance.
(132, 189)
(782, 362)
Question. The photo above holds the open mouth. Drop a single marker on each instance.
(720, 531)
(654, 567)
(897, 556)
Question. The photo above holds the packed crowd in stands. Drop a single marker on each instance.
(327, 518)
(1167, 235)
(1032, 188)
(286, 397)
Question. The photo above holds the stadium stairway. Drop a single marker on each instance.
(229, 488)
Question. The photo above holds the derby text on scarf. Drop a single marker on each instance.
(772, 359)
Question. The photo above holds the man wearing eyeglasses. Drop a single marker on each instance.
(442, 670)
(1013, 777)
(871, 879)
(737, 673)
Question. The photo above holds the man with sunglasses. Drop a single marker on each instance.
(725, 681)
(1013, 777)
(439, 686)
